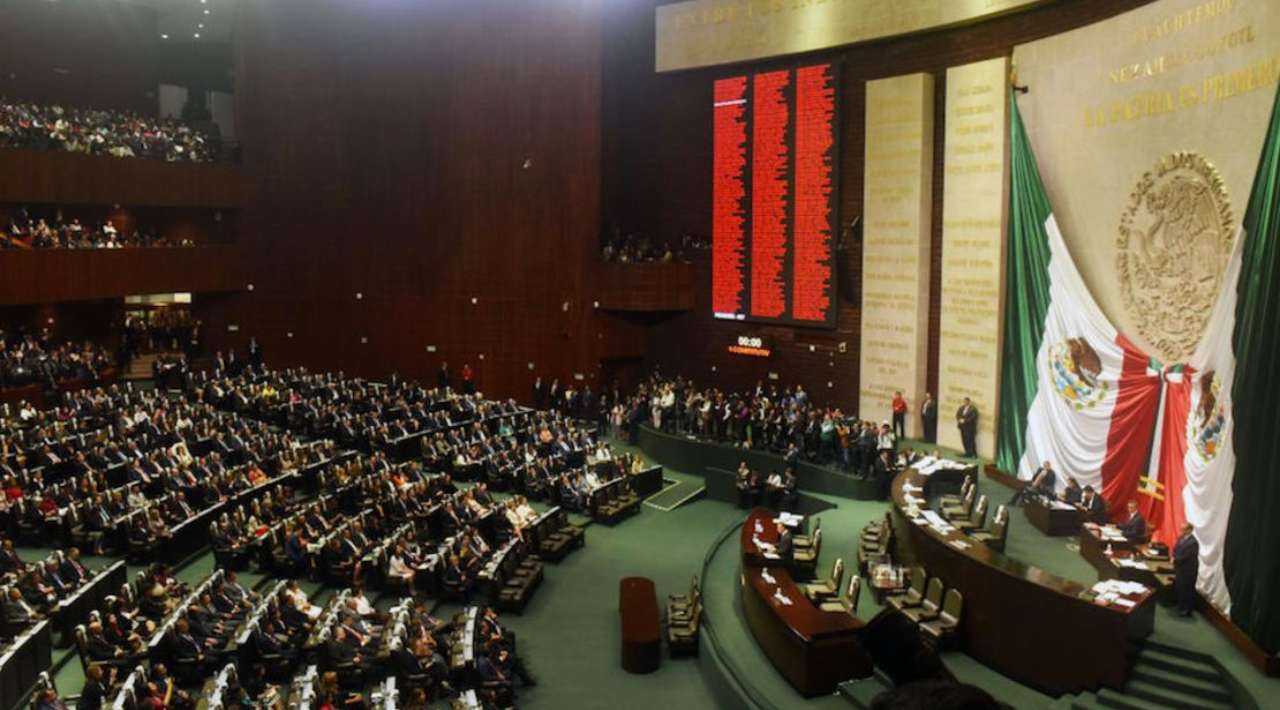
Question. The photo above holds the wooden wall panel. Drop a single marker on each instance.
(71, 178)
(55, 275)
(80, 53)
(646, 287)
(657, 178)
(421, 154)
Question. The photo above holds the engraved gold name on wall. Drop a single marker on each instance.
(703, 33)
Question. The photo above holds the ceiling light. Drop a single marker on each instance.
(206, 12)
(164, 36)
(196, 35)
(200, 26)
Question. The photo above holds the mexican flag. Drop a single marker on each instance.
(1205, 437)
(1074, 391)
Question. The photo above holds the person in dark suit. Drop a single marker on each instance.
(17, 612)
(72, 571)
(1043, 483)
(94, 690)
(1186, 568)
(967, 422)
(49, 700)
(1070, 492)
(786, 545)
(929, 418)
(442, 376)
(1134, 526)
(1095, 509)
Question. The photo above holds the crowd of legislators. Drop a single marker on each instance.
(778, 419)
(121, 470)
(102, 132)
(27, 359)
(545, 455)
(25, 231)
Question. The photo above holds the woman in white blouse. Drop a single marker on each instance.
(398, 568)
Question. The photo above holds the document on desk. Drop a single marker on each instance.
(782, 598)
(768, 577)
(791, 520)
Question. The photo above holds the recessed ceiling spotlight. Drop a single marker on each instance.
(164, 36)
(196, 35)
(200, 26)
(206, 12)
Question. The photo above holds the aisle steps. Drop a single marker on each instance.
(1165, 677)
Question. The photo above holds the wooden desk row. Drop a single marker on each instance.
(813, 649)
(1022, 621)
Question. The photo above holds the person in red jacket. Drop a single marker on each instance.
(468, 386)
(899, 416)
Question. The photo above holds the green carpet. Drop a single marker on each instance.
(569, 633)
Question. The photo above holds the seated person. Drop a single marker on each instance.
(333, 696)
(1134, 526)
(1044, 483)
(1070, 492)
(1095, 509)
(17, 612)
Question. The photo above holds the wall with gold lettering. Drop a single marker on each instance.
(704, 32)
(897, 196)
(1147, 128)
(974, 209)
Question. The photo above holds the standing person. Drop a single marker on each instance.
(468, 381)
(1186, 567)
(442, 376)
(539, 394)
(929, 419)
(967, 422)
(899, 415)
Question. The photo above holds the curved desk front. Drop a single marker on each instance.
(1035, 627)
(813, 649)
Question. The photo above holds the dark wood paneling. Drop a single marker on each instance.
(385, 146)
(646, 287)
(657, 178)
(80, 53)
(48, 276)
(72, 178)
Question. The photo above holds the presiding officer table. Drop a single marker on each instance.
(813, 649)
(1034, 627)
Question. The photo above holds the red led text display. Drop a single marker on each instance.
(773, 196)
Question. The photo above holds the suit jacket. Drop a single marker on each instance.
(99, 648)
(15, 613)
(73, 572)
(91, 696)
(1095, 511)
(183, 646)
(1135, 528)
(967, 417)
(340, 653)
(786, 547)
(1186, 554)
